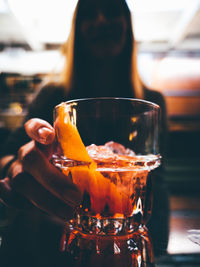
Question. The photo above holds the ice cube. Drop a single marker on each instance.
(119, 149)
(111, 155)
(99, 151)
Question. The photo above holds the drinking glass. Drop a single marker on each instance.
(121, 136)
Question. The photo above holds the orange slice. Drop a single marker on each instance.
(69, 137)
(101, 190)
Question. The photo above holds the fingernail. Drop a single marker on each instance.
(44, 134)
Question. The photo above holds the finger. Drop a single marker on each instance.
(35, 163)
(40, 131)
(26, 185)
(14, 169)
(10, 197)
(24, 150)
(47, 150)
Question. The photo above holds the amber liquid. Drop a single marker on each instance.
(109, 225)
(120, 190)
(127, 194)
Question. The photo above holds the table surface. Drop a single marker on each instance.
(184, 217)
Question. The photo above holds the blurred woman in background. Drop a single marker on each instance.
(100, 61)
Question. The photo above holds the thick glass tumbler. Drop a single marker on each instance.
(109, 148)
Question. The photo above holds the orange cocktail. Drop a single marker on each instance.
(115, 182)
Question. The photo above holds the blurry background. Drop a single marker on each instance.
(168, 37)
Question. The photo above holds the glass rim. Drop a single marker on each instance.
(149, 103)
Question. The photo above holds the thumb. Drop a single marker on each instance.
(40, 130)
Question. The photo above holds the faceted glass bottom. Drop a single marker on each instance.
(131, 250)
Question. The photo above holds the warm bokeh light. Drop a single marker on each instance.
(49, 21)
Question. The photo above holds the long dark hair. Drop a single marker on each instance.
(75, 58)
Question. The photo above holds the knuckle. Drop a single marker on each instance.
(14, 169)
(20, 152)
(28, 153)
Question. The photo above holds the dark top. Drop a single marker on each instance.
(32, 239)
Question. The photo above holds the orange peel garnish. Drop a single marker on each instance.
(69, 137)
(101, 190)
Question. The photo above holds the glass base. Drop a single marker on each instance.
(130, 250)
